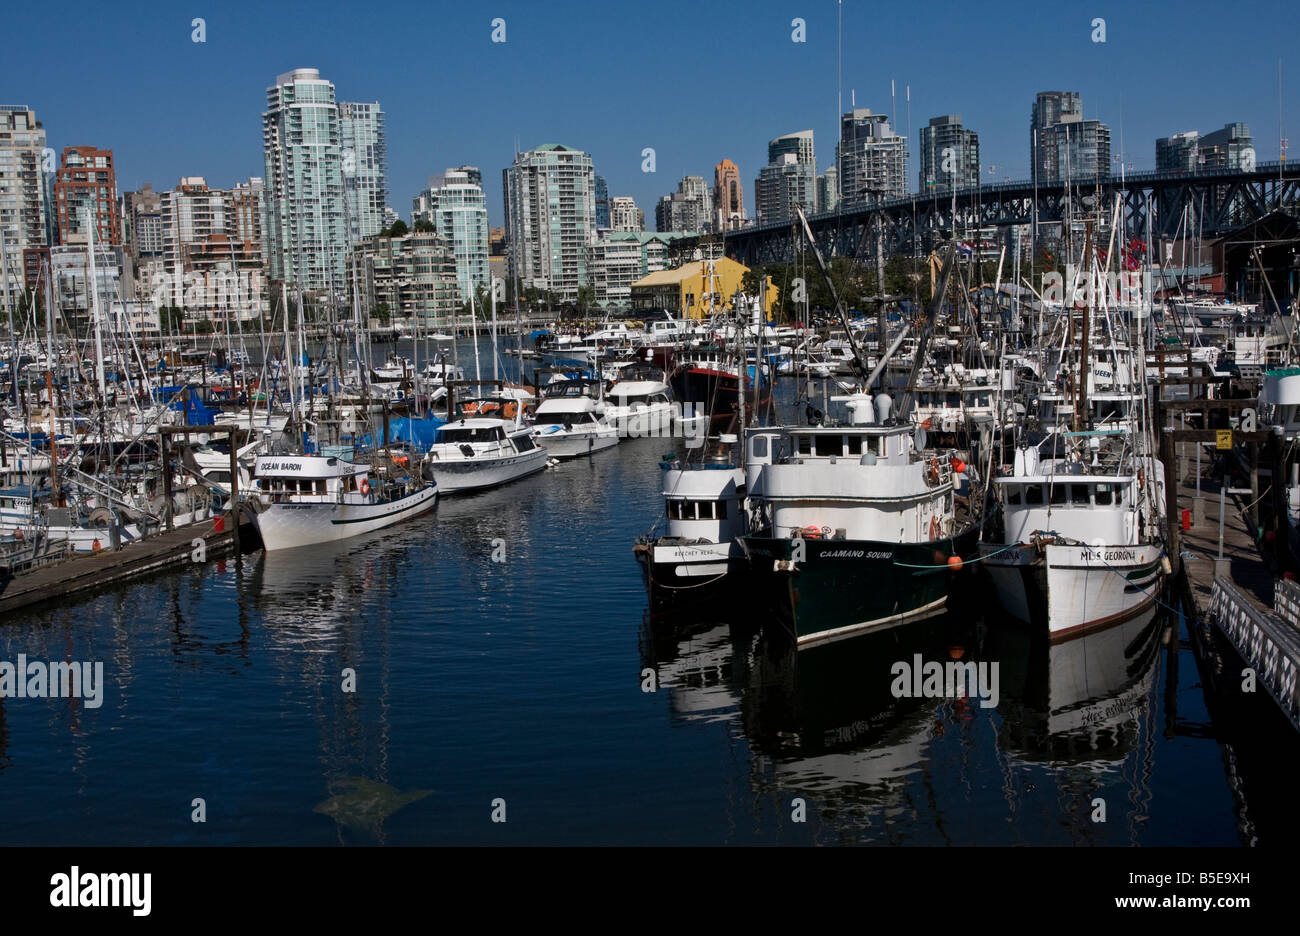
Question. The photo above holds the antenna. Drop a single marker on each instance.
(893, 103)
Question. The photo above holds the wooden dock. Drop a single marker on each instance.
(1200, 547)
(195, 544)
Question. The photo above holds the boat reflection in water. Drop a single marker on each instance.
(1021, 764)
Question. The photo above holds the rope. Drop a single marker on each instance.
(964, 562)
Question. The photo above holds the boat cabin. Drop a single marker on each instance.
(309, 479)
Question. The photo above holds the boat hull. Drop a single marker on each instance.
(680, 573)
(290, 525)
(1074, 590)
(843, 588)
(459, 476)
(577, 444)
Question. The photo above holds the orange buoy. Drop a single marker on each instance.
(954, 563)
(95, 547)
(958, 465)
(956, 651)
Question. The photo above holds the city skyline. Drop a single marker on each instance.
(216, 134)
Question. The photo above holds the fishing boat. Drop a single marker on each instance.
(857, 530)
(700, 554)
(309, 499)
(640, 403)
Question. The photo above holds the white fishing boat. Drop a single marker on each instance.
(481, 452)
(700, 549)
(310, 499)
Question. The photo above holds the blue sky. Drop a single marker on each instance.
(697, 81)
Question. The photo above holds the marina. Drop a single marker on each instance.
(488, 453)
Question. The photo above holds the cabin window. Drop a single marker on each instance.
(1034, 494)
(1013, 495)
(830, 445)
(524, 443)
(1060, 493)
(1079, 494)
(954, 400)
(1105, 497)
(758, 447)
(855, 445)
(805, 444)
(720, 510)
(320, 487)
(882, 446)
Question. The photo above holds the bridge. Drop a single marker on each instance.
(1216, 201)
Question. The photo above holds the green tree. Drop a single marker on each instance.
(424, 226)
(398, 229)
(586, 298)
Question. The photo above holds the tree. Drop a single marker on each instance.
(382, 312)
(398, 229)
(586, 298)
(423, 226)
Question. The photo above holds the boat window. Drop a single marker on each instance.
(1079, 494)
(804, 444)
(1013, 494)
(882, 446)
(982, 399)
(830, 445)
(1034, 494)
(1059, 493)
(675, 511)
(720, 510)
(320, 486)
(1104, 495)
(758, 447)
(704, 510)
(954, 400)
(855, 444)
(524, 443)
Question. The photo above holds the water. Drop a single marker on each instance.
(479, 681)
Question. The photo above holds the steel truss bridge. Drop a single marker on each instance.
(1208, 202)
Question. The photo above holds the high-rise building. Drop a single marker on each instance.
(799, 144)
(365, 171)
(1177, 153)
(409, 277)
(306, 234)
(685, 210)
(1062, 143)
(602, 204)
(871, 158)
(86, 182)
(142, 227)
(828, 190)
(624, 215)
(550, 209)
(457, 209)
(728, 197)
(26, 219)
(1230, 148)
(950, 156)
(782, 185)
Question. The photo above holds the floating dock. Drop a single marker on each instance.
(194, 544)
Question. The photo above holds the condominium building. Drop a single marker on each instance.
(950, 156)
(550, 209)
(86, 186)
(871, 158)
(624, 215)
(782, 185)
(728, 197)
(621, 258)
(1177, 153)
(365, 173)
(305, 234)
(828, 190)
(799, 144)
(457, 209)
(1062, 143)
(410, 277)
(686, 209)
(26, 218)
(1230, 148)
(602, 204)
(142, 225)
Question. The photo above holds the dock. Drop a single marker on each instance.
(194, 544)
(1242, 595)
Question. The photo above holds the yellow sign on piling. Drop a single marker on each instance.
(1223, 440)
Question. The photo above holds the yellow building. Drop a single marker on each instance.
(684, 293)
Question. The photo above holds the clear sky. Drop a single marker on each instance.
(696, 80)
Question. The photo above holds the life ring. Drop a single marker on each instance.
(934, 528)
(934, 470)
(812, 532)
(365, 487)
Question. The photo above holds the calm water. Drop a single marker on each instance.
(522, 680)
